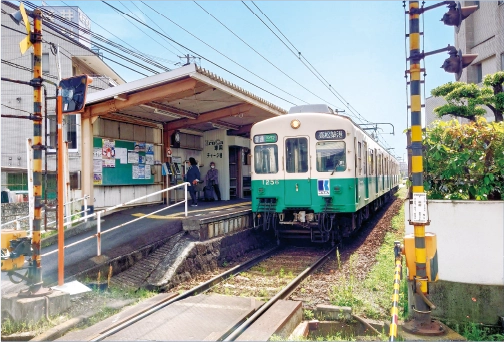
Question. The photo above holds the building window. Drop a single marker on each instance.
(479, 73)
(71, 128)
(71, 132)
(45, 63)
(500, 3)
(502, 61)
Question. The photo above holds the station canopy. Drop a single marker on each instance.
(186, 98)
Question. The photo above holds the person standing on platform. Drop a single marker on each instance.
(193, 176)
(212, 179)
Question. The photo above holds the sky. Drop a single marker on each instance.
(358, 47)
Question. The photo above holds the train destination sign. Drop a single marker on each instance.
(265, 138)
(335, 134)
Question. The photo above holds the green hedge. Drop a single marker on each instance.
(464, 161)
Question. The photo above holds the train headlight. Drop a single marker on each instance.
(295, 123)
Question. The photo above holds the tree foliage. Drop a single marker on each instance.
(466, 100)
(464, 161)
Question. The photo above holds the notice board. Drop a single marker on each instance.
(120, 162)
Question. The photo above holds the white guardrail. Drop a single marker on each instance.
(68, 218)
(99, 214)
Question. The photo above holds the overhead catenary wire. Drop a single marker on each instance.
(206, 59)
(267, 60)
(225, 56)
(317, 74)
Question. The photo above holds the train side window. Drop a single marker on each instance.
(365, 158)
(266, 159)
(296, 151)
(359, 156)
(371, 162)
(331, 156)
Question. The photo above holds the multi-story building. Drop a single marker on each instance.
(481, 33)
(76, 57)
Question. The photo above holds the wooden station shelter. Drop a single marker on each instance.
(137, 137)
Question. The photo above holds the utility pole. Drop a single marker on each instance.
(188, 58)
(425, 250)
(35, 271)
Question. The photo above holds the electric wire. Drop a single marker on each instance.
(329, 86)
(224, 56)
(267, 60)
(122, 40)
(21, 110)
(175, 47)
(163, 46)
(206, 59)
(356, 114)
(60, 27)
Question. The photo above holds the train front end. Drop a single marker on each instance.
(302, 184)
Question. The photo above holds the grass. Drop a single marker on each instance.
(372, 297)
(10, 327)
(477, 332)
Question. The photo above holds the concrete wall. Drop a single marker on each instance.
(470, 240)
(470, 247)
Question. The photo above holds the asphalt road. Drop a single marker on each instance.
(115, 243)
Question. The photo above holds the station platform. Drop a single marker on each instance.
(138, 236)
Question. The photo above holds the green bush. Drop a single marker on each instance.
(464, 161)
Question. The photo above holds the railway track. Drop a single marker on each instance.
(290, 266)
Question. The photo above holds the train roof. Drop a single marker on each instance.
(317, 109)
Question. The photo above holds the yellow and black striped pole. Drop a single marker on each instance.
(416, 146)
(35, 269)
(395, 297)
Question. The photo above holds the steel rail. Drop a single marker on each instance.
(194, 291)
(284, 293)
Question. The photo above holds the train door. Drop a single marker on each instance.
(356, 168)
(297, 172)
(376, 170)
(366, 178)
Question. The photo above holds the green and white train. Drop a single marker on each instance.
(317, 175)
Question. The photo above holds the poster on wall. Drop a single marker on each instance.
(138, 171)
(149, 159)
(141, 159)
(132, 157)
(147, 171)
(97, 166)
(149, 148)
(97, 153)
(122, 155)
(97, 178)
(108, 153)
(139, 146)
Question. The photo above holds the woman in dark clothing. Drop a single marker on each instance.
(193, 176)
(212, 179)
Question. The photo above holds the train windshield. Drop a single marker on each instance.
(331, 156)
(266, 159)
(297, 155)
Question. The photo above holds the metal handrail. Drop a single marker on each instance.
(98, 215)
(85, 198)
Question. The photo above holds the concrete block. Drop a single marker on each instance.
(281, 319)
(33, 309)
(332, 312)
